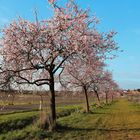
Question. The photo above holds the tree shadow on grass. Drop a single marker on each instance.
(102, 113)
(62, 128)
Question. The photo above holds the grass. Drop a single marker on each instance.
(19, 125)
(117, 121)
(14, 121)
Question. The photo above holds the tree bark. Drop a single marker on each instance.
(86, 97)
(52, 104)
(97, 95)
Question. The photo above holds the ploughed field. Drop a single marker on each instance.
(28, 102)
(119, 120)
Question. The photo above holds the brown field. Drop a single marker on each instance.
(20, 102)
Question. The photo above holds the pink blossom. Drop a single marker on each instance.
(51, 1)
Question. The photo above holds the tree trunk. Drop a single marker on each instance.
(86, 97)
(97, 95)
(52, 105)
(106, 97)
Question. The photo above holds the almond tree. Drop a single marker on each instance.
(33, 53)
(114, 90)
(108, 85)
(78, 73)
(97, 79)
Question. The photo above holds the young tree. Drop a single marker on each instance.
(34, 52)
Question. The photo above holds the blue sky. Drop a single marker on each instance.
(122, 16)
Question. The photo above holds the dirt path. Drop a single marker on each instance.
(123, 121)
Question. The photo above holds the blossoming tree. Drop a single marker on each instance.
(34, 53)
(79, 71)
(108, 86)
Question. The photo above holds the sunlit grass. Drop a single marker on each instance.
(117, 121)
(120, 121)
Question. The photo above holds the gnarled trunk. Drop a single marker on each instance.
(86, 97)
